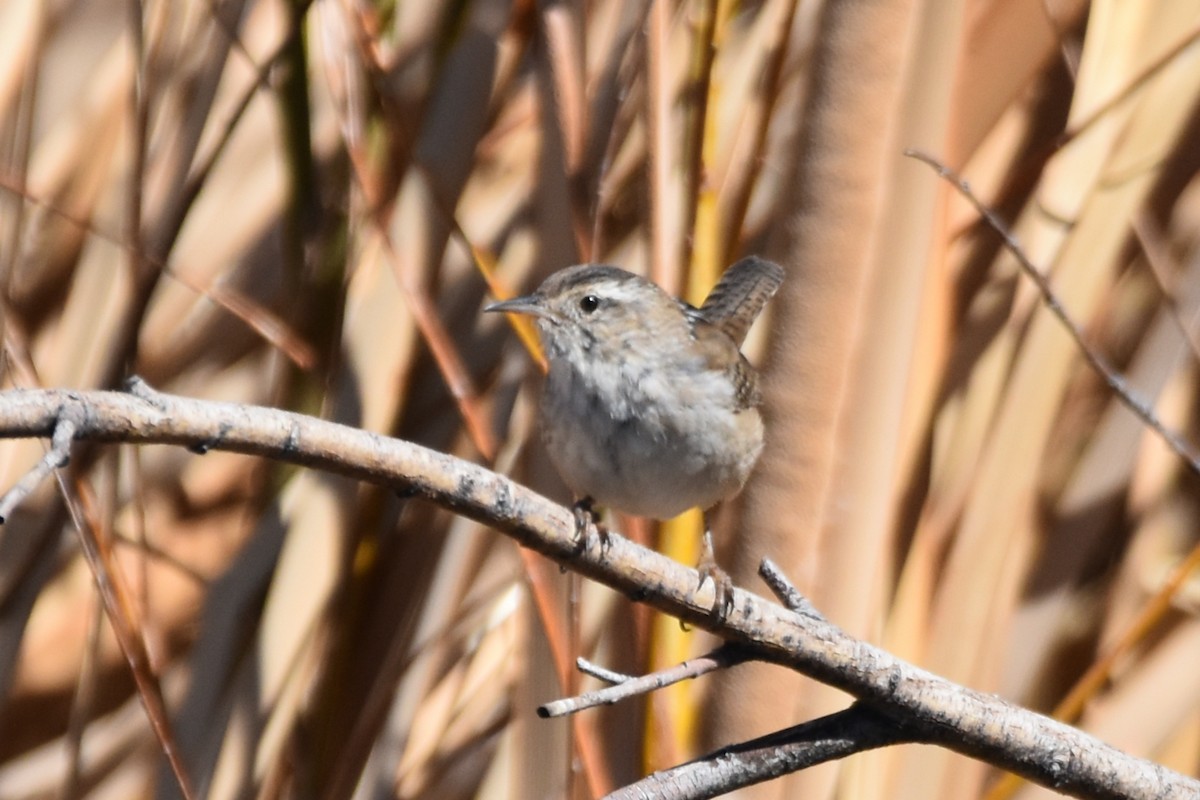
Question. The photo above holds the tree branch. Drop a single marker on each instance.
(976, 724)
(630, 686)
(56, 457)
(852, 730)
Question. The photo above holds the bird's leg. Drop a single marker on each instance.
(587, 518)
(708, 568)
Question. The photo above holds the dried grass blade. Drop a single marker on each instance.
(270, 326)
(564, 40)
(741, 177)
(119, 609)
(446, 354)
(664, 238)
(700, 145)
(1116, 382)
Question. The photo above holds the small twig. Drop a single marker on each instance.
(1140, 407)
(600, 673)
(786, 591)
(56, 457)
(722, 658)
(853, 730)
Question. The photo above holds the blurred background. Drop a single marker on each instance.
(305, 205)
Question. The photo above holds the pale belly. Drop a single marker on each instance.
(657, 456)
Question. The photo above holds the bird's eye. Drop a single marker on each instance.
(589, 303)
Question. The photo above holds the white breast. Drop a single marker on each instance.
(668, 442)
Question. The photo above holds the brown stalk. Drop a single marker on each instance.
(631, 63)
(1135, 83)
(139, 111)
(273, 329)
(126, 626)
(564, 44)
(444, 351)
(454, 371)
(1149, 619)
(664, 253)
(1115, 381)
(432, 329)
(1158, 258)
(82, 705)
(1152, 612)
(168, 222)
(1035, 163)
(739, 185)
(698, 131)
(21, 150)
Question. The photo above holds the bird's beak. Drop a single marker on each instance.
(529, 304)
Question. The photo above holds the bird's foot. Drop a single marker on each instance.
(587, 522)
(722, 583)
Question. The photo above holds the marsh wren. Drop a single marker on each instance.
(649, 406)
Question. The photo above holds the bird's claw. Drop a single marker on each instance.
(722, 583)
(722, 589)
(587, 522)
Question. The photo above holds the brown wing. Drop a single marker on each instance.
(745, 379)
(720, 354)
(737, 300)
